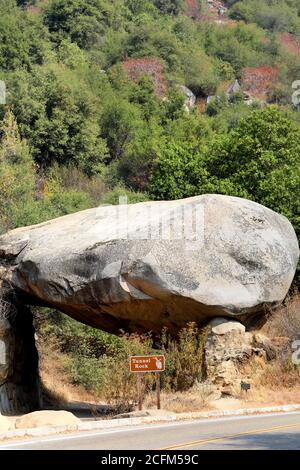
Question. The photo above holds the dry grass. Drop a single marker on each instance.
(285, 322)
(266, 390)
(266, 396)
(58, 387)
(273, 383)
(270, 387)
(71, 177)
(278, 382)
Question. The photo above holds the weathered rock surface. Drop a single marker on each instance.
(47, 418)
(228, 348)
(221, 326)
(100, 266)
(262, 342)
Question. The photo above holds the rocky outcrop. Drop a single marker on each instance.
(140, 268)
(221, 326)
(228, 348)
(261, 342)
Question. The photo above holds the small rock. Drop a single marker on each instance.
(222, 326)
(47, 418)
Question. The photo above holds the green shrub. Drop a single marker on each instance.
(88, 372)
(184, 358)
(113, 196)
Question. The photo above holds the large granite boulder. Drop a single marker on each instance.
(142, 267)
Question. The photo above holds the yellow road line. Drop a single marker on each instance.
(231, 436)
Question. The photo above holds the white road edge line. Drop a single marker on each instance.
(87, 434)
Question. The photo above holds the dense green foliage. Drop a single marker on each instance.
(258, 160)
(61, 61)
(269, 14)
(70, 104)
(82, 130)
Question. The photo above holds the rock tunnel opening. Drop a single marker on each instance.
(83, 266)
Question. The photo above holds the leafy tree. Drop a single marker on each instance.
(24, 40)
(21, 202)
(76, 107)
(24, 3)
(260, 160)
(81, 20)
(200, 73)
(71, 55)
(240, 46)
(179, 173)
(135, 168)
(173, 105)
(57, 113)
(143, 94)
(119, 124)
(273, 15)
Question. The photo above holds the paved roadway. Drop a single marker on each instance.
(276, 431)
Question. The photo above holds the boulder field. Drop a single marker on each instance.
(142, 267)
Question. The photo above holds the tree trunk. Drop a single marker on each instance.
(19, 378)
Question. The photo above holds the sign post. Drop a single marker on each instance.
(158, 390)
(142, 364)
(140, 395)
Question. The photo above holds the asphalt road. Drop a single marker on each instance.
(272, 432)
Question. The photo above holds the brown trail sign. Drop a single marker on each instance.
(142, 364)
(147, 363)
